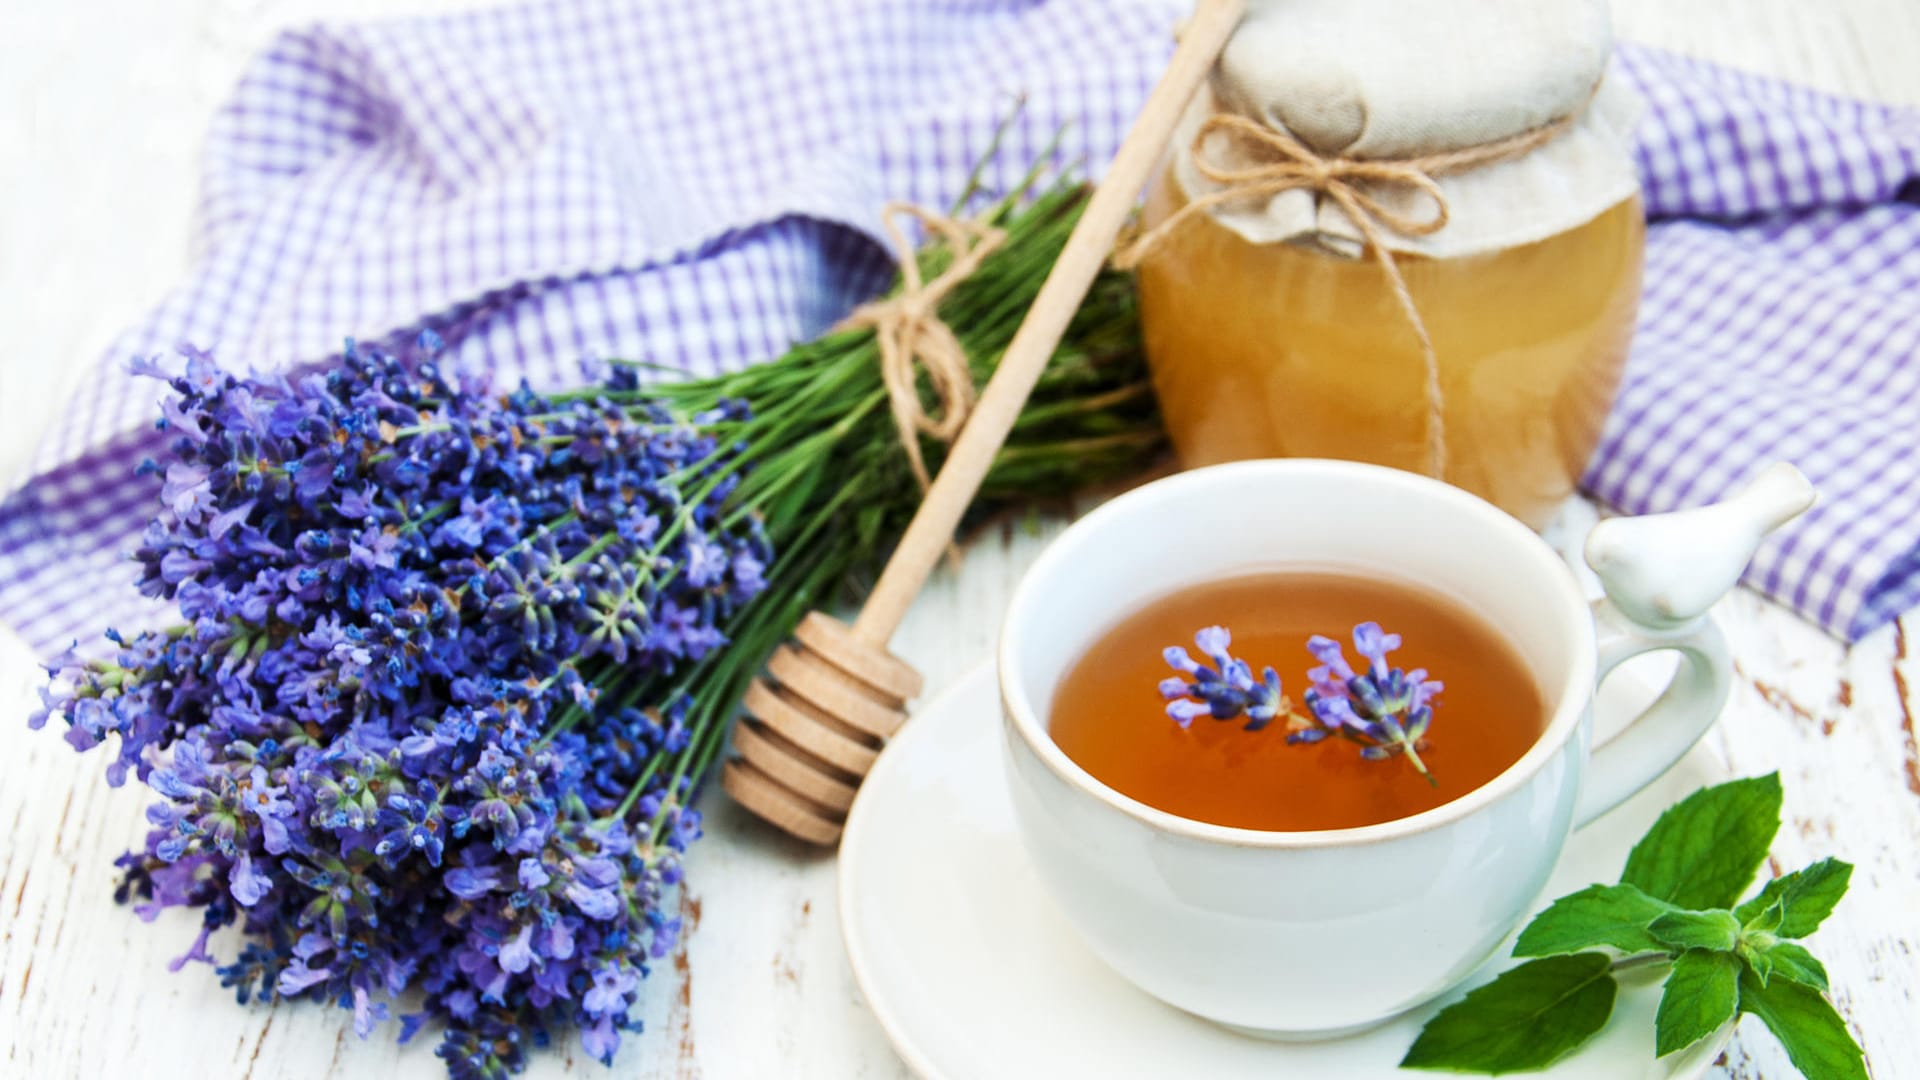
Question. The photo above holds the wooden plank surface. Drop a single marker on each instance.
(108, 99)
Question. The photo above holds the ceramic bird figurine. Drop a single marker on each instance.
(1665, 570)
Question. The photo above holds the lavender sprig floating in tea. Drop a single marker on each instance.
(1387, 710)
(1225, 690)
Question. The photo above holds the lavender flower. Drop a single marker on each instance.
(1224, 690)
(418, 728)
(1386, 710)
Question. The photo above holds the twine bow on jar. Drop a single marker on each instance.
(1281, 163)
(908, 328)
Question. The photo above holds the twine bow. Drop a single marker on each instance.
(907, 327)
(1282, 163)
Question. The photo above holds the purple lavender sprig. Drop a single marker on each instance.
(1223, 691)
(1386, 710)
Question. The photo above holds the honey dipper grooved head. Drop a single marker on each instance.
(833, 641)
(798, 771)
(814, 726)
(765, 797)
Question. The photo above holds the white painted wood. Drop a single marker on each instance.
(101, 109)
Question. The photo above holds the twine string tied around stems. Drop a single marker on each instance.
(912, 337)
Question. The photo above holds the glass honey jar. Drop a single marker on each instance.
(1271, 325)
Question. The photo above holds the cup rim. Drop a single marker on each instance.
(1570, 700)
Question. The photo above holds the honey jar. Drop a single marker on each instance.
(1401, 233)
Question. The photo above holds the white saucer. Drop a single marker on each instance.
(973, 972)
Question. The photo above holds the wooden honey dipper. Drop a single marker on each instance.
(833, 696)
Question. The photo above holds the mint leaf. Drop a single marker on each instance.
(1702, 993)
(1759, 963)
(1768, 920)
(1703, 851)
(1611, 915)
(1806, 897)
(1717, 930)
(1816, 1039)
(1795, 964)
(1528, 1018)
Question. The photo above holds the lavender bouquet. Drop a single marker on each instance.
(450, 664)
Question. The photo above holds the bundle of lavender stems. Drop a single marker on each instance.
(446, 666)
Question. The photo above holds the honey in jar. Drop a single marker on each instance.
(1273, 331)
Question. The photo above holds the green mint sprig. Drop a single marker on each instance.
(1677, 904)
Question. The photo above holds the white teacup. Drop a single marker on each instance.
(1313, 934)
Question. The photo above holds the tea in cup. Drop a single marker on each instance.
(1293, 887)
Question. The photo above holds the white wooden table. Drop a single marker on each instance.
(101, 106)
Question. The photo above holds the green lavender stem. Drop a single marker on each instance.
(1413, 756)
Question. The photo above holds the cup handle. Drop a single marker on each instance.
(1661, 573)
(1654, 741)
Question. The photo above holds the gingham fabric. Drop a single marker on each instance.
(1780, 321)
(700, 185)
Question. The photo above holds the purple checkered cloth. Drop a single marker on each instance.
(700, 185)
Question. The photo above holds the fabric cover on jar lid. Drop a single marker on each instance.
(1395, 80)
